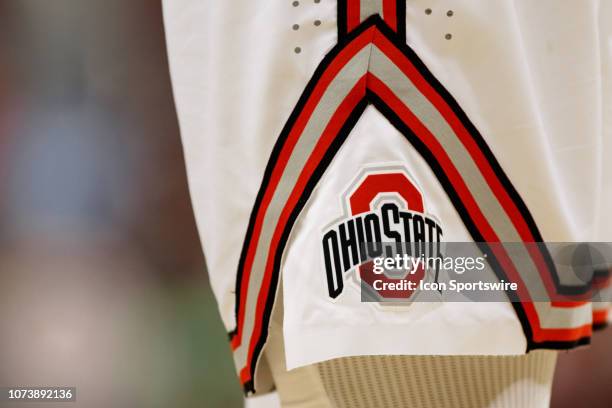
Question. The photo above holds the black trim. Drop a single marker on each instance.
(488, 154)
(400, 9)
(449, 189)
(310, 186)
(342, 23)
(248, 388)
(428, 156)
(560, 345)
(600, 326)
(453, 196)
(601, 273)
(327, 60)
(342, 16)
(232, 333)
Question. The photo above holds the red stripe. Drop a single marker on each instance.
(567, 303)
(338, 63)
(539, 334)
(327, 137)
(245, 374)
(600, 316)
(572, 334)
(452, 173)
(482, 163)
(353, 17)
(390, 13)
(406, 66)
(330, 133)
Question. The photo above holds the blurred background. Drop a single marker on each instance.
(102, 279)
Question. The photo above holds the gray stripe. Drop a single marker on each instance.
(403, 88)
(391, 75)
(431, 118)
(558, 317)
(368, 8)
(334, 95)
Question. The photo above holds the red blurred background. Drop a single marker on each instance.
(102, 279)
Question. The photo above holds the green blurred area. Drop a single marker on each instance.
(204, 376)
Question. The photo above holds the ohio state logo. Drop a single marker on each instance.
(384, 215)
